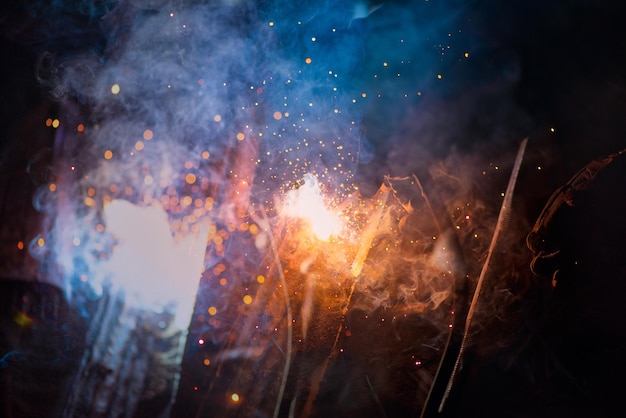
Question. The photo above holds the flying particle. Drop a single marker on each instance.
(190, 178)
(115, 89)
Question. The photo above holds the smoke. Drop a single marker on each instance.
(189, 106)
(208, 112)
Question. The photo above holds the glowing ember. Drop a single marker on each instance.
(307, 203)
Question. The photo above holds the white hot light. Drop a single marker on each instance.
(152, 269)
(307, 202)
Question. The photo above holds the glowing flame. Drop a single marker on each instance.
(307, 203)
(151, 268)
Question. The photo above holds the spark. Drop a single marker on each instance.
(307, 203)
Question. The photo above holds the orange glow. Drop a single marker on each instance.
(148, 135)
(190, 178)
(254, 229)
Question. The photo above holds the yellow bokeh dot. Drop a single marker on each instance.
(235, 397)
(108, 154)
(206, 155)
(148, 135)
(308, 60)
(139, 145)
(52, 187)
(56, 123)
(212, 310)
(247, 299)
(41, 242)
(240, 136)
(254, 229)
(190, 178)
(260, 278)
(217, 118)
(115, 89)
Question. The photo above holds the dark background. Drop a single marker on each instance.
(554, 71)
